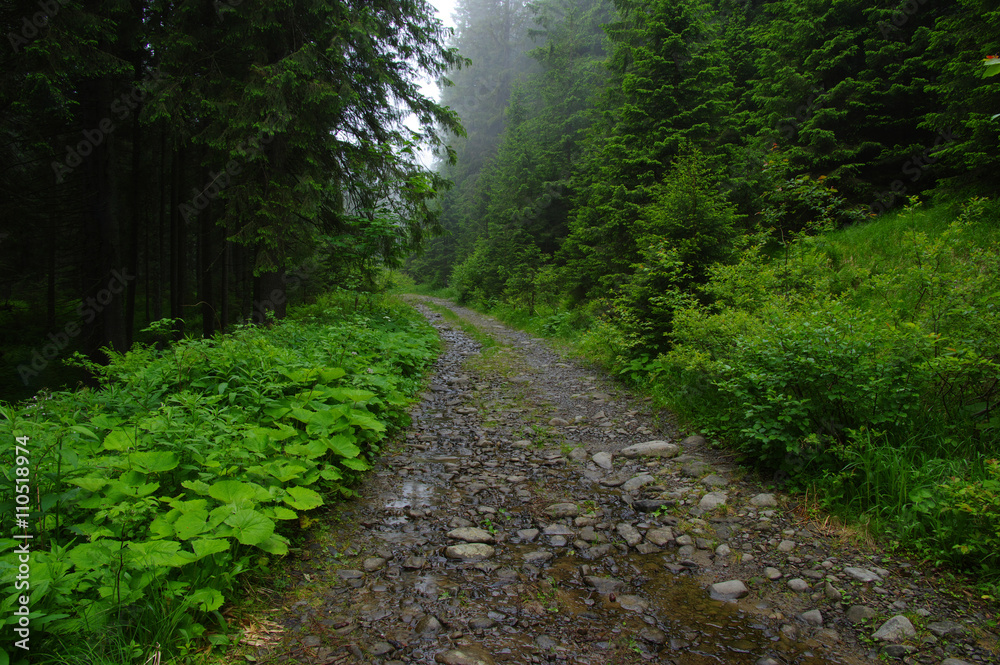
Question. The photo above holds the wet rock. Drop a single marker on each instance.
(712, 500)
(859, 613)
(730, 590)
(348, 575)
(372, 564)
(633, 603)
(895, 629)
(652, 635)
(650, 449)
(469, 551)
(772, 574)
(381, 648)
(579, 455)
(629, 533)
(767, 660)
(798, 585)
(723, 551)
(695, 469)
(832, 593)
(713, 480)
(545, 642)
(465, 655)
(428, 624)
(558, 422)
(538, 558)
(946, 628)
(661, 537)
(862, 574)
(954, 661)
(603, 460)
(637, 482)
(481, 623)
(650, 505)
(603, 585)
(471, 535)
(558, 530)
(684, 540)
(898, 651)
(558, 510)
(814, 617)
(527, 535)
(764, 501)
(414, 562)
(786, 546)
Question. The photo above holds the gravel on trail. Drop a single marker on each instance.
(536, 512)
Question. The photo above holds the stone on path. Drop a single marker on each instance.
(896, 629)
(772, 573)
(469, 551)
(558, 422)
(815, 617)
(712, 500)
(660, 537)
(527, 535)
(954, 661)
(798, 585)
(465, 655)
(714, 480)
(651, 449)
(578, 455)
(786, 546)
(764, 501)
(862, 574)
(603, 585)
(629, 533)
(638, 482)
(946, 628)
(859, 613)
(471, 534)
(557, 510)
(633, 603)
(730, 590)
(603, 460)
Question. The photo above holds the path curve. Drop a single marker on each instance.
(516, 525)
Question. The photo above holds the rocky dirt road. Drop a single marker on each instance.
(537, 513)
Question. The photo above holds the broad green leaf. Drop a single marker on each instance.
(330, 473)
(119, 439)
(303, 498)
(205, 546)
(343, 446)
(250, 527)
(329, 374)
(357, 464)
(85, 431)
(92, 556)
(106, 421)
(285, 472)
(191, 524)
(89, 483)
(282, 513)
(153, 553)
(208, 600)
(310, 450)
(275, 544)
(154, 462)
(232, 491)
(197, 486)
(365, 420)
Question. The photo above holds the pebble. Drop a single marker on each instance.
(471, 535)
(559, 510)
(772, 573)
(712, 500)
(603, 460)
(650, 449)
(730, 590)
(661, 536)
(798, 585)
(469, 551)
(629, 534)
(862, 574)
(895, 629)
(465, 655)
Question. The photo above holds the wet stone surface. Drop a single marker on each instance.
(510, 527)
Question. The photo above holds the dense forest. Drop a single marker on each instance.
(587, 120)
(202, 162)
(773, 216)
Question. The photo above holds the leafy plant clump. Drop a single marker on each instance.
(193, 465)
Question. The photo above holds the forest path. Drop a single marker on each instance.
(514, 525)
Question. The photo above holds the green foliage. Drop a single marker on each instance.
(192, 465)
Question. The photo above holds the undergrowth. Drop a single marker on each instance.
(189, 467)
